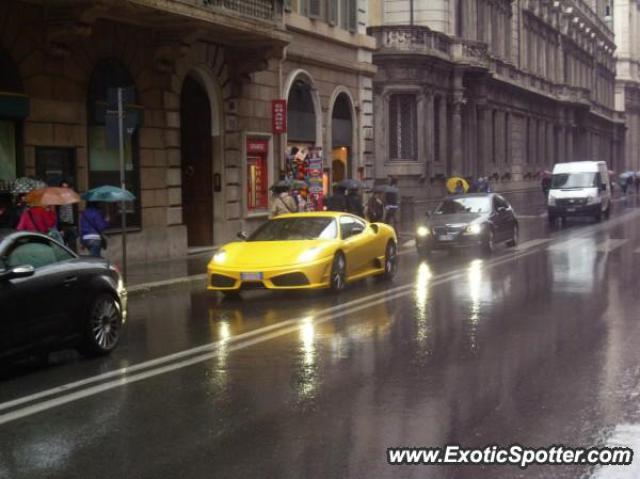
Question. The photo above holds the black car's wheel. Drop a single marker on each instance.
(598, 216)
(338, 278)
(103, 326)
(514, 237)
(390, 261)
(489, 243)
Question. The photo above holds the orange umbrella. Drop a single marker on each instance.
(52, 196)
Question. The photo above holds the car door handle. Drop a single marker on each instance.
(70, 280)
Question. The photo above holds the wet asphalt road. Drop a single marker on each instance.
(537, 345)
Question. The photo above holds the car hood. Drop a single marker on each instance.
(272, 254)
(456, 219)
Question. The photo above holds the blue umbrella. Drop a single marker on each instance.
(108, 194)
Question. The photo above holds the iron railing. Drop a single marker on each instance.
(257, 9)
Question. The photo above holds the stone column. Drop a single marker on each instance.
(443, 129)
(429, 133)
(456, 137)
(562, 154)
(484, 131)
(569, 143)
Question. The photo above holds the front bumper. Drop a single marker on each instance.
(575, 210)
(460, 240)
(123, 296)
(313, 275)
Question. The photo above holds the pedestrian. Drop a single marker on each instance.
(18, 207)
(354, 203)
(67, 223)
(459, 189)
(337, 201)
(637, 183)
(546, 185)
(37, 220)
(629, 181)
(391, 203)
(282, 202)
(92, 226)
(375, 208)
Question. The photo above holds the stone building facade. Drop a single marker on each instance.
(627, 29)
(204, 72)
(500, 88)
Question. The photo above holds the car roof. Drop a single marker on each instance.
(314, 214)
(470, 195)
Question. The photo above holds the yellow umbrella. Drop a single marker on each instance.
(452, 183)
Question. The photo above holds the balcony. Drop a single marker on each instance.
(406, 39)
(253, 9)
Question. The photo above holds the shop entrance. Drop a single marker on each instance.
(196, 148)
(341, 139)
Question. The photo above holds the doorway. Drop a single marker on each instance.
(196, 147)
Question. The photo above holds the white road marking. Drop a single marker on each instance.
(609, 245)
(568, 245)
(409, 244)
(244, 340)
(533, 243)
(624, 435)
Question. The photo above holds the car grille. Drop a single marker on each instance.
(221, 281)
(290, 279)
(448, 229)
(253, 285)
(571, 201)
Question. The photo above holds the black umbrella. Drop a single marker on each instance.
(350, 184)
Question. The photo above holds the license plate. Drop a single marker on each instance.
(570, 210)
(251, 276)
(446, 237)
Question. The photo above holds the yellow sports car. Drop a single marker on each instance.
(306, 251)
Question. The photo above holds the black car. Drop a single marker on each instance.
(51, 298)
(473, 220)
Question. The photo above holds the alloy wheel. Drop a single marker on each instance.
(105, 323)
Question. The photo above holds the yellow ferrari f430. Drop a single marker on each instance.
(306, 251)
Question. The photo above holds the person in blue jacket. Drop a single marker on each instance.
(92, 226)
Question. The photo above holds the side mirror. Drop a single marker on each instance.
(242, 236)
(375, 228)
(18, 272)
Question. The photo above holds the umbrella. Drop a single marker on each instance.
(281, 184)
(108, 194)
(385, 189)
(350, 184)
(51, 196)
(627, 174)
(26, 184)
(453, 182)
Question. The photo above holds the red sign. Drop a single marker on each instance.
(279, 116)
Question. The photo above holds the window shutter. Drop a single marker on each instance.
(315, 10)
(353, 17)
(332, 11)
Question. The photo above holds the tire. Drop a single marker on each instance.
(598, 217)
(489, 243)
(607, 212)
(338, 278)
(513, 242)
(103, 326)
(390, 261)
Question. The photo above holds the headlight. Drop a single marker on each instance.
(474, 229)
(552, 200)
(422, 231)
(220, 256)
(592, 200)
(309, 255)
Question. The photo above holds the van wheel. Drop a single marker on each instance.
(607, 212)
(598, 217)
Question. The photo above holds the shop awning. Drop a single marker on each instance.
(14, 105)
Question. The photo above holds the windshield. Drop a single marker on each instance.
(293, 229)
(574, 180)
(471, 204)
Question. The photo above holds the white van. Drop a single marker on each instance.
(579, 188)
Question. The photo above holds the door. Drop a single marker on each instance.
(196, 147)
(44, 301)
(354, 234)
(54, 165)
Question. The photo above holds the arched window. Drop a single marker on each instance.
(301, 115)
(14, 107)
(104, 161)
(341, 138)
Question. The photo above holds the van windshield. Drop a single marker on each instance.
(575, 180)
